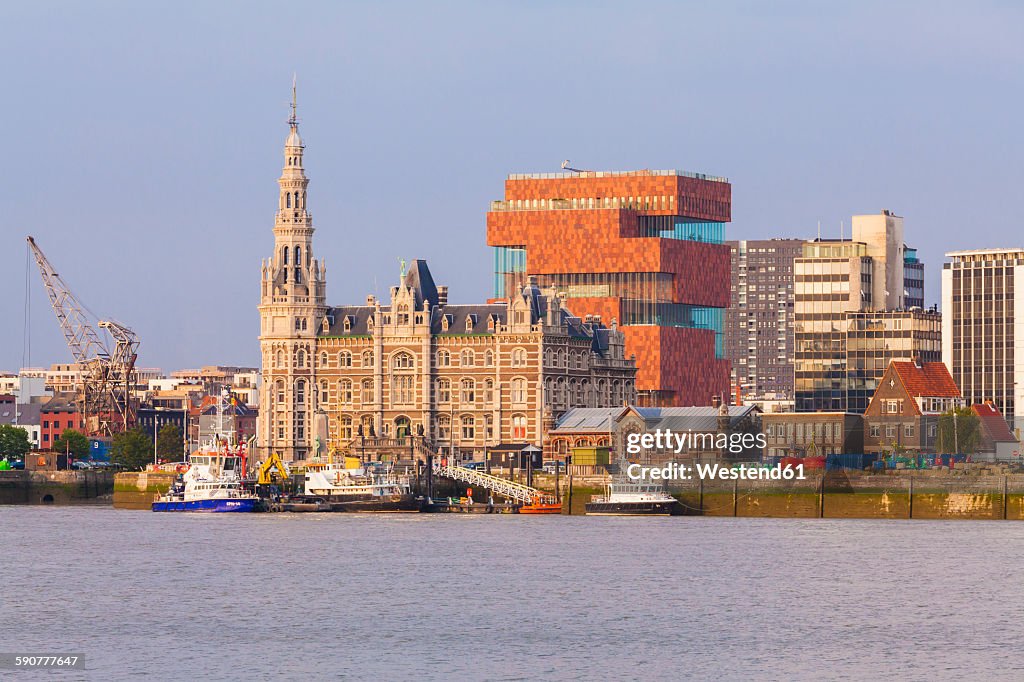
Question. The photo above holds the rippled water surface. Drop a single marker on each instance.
(395, 597)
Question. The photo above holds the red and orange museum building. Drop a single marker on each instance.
(644, 248)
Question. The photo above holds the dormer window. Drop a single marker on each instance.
(469, 323)
(347, 324)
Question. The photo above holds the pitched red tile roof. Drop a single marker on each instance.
(930, 380)
(993, 422)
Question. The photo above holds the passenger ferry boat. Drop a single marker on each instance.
(211, 484)
(626, 497)
(351, 486)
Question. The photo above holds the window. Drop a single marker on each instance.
(401, 389)
(323, 359)
(488, 392)
(300, 358)
(468, 358)
(402, 360)
(488, 427)
(367, 358)
(468, 427)
(344, 359)
(323, 392)
(444, 391)
(368, 390)
(300, 391)
(908, 430)
(468, 391)
(444, 427)
(345, 427)
(488, 359)
(444, 358)
(519, 390)
(345, 391)
(280, 392)
(890, 407)
(519, 357)
(280, 359)
(518, 427)
(890, 430)
(579, 360)
(403, 314)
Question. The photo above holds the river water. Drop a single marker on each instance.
(396, 597)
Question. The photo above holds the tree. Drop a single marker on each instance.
(967, 435)
(168, 443)
(133, 449)
(73, 442)
(13, 441)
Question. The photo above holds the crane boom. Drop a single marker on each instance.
(105, 395)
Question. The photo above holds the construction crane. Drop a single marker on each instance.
(104, 396)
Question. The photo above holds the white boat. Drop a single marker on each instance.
(626, 497)
(349, 485)
(211, 484)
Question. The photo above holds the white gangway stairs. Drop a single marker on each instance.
(501, 486)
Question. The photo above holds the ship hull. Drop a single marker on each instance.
(633, 508)
(392, 503)
(244, 504)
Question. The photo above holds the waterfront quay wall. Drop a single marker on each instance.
(55, 487)
(138, 489)
(840, 494)
(861, 496)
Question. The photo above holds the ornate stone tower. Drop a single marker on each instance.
(292, 310)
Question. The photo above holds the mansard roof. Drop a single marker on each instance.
(419, 279)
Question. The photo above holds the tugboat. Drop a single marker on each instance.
(351, 486)
(626, 497)
(211, 484)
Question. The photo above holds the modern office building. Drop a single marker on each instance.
(851, 315)
(643, 248)
(983, 328)
(759, 320)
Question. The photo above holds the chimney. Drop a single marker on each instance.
(442, 296)
(716, 401)
(917, 360)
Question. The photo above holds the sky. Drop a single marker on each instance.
(144, 140)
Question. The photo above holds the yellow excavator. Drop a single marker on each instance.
(273, 471)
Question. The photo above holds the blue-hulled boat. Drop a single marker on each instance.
(211, 484)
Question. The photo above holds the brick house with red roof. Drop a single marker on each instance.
(904, 411)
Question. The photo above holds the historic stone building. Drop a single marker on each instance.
(415, 373)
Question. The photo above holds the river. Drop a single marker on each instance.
(507, 597)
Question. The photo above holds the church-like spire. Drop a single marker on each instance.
(294, 140)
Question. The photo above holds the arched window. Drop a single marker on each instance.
(587, 397)
(345, 427)
(402, 360)
(300, 358)
(616, 392)
(367, 358)
(300, 392)
(444, 358)
(367, 391)
(518, 427)
(403, 314)
(288, 200)
(468, 427)
(296, 206)
(488, 359)
(345, 391)
(344, 359)
(284, 256)
(323, 359)
(444, 390)
(280, 391)
(298, 324)
(468, 391)
(488, 392)
(280, 359)
(548, 357)
(468, 358)
(519, 390)
(298, 256)
(444, 427)
(579, 360)
(518, 357)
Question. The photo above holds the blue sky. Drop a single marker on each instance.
(144, 139)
